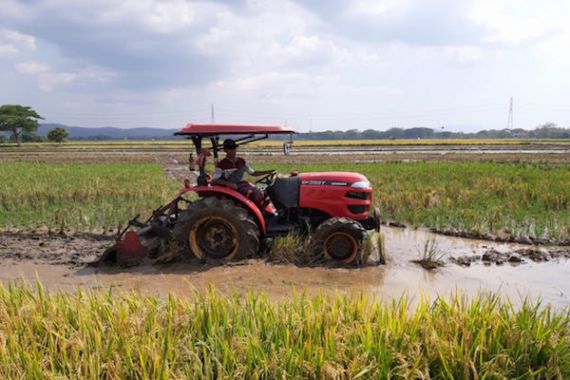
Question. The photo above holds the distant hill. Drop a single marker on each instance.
(111, 133)
(548, 130)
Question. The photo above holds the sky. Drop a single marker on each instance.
(312, 65)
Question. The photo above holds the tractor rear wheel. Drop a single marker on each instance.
(218, 229)
(339, 240)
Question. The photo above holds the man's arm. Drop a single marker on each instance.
(219, 181)
(257, 173)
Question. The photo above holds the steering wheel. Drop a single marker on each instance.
(267, 179)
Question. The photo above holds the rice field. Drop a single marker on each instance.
(81, 197)
(107, 334)
(504, 199)
(101, 335)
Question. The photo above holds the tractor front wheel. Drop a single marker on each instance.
(218, 229)
(339, 240)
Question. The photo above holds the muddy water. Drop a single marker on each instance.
(549, 280)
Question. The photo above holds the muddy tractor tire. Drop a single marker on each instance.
(339, 240)
(217, 229)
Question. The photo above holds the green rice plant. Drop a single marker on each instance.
(368, 248)
(293, 248)
(381, 247)
(80, 196)
(430, 256)
(102, 334)
(373, 246)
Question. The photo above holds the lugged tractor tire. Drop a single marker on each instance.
(339, 240)
(217, 229)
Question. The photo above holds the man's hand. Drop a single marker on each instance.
(263, 172)
(232, 185)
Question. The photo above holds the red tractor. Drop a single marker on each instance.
(224, 225)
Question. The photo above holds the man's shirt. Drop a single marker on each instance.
(232, 170)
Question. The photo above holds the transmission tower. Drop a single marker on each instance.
(510, 120)
(212, 114)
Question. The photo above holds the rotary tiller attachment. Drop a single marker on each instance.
(148, 241)
(127, 251)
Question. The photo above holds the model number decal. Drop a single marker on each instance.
(320, 183)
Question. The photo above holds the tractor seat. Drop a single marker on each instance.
(284, 192)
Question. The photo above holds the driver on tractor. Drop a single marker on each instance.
(229, 172)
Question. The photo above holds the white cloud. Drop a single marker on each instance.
(7, 49)
(13, 42)
(163, 17)
(32, 68)
(375, 8)
(514, 22)
(556, 46)
(274, 86)
(49, 79)
(440, 55)
(459, 54)
(306, 50)
(248, 35)
(12, 9)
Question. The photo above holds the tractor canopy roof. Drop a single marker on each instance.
(204, 130)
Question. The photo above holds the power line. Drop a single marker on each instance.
(510, 119)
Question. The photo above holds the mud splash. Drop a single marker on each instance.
(59, 262)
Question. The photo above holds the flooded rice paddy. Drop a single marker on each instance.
(59, 262)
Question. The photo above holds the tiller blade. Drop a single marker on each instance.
(147, 242)
(130, 250)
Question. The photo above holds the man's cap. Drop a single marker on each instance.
(230, 144)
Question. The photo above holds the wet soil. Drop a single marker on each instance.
(60, 263)
(515, 257)
(44, 248)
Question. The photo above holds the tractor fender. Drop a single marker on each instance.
(220, 191)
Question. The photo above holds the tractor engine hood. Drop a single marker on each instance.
(346, 179)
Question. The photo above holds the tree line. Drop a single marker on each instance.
(548, 130)
(21, 123)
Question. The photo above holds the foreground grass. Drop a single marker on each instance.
(80, 196)
(100, 335)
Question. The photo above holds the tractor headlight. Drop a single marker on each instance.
(361, 185)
